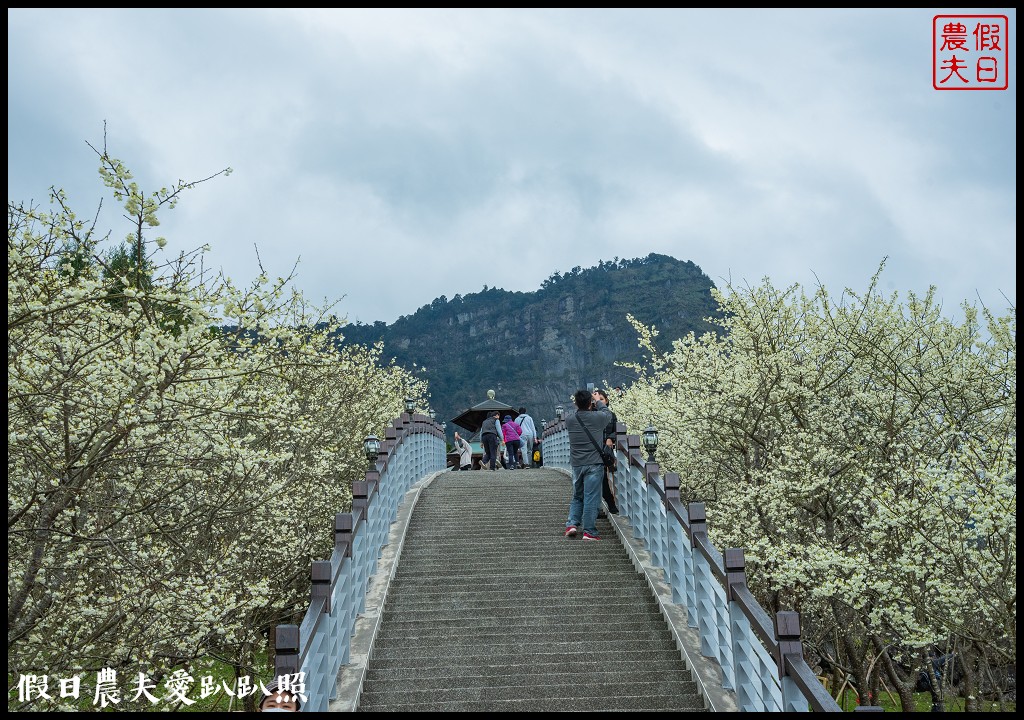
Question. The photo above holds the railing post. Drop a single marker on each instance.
(671, 487)
(698, 518)
(738, 635)
(343, 532)
(633, 489)
(375, 517)
(672, 534)
(361, 554)
(320, 580)
(698, 565)
(650, 472)
(372, 476)
(787, 634)
(360, 493)
(656, 521)
(735, 572)
(620, 477)
(286, 650)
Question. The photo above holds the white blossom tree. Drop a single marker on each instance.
(178, 445)
(863, 453)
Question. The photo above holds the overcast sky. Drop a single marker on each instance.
(402, 155)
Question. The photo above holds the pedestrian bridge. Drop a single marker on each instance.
(456, 591)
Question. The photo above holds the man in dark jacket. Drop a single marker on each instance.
(608, 438)
(490, 438)
(587, 466)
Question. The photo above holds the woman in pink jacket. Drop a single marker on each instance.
(511, 433)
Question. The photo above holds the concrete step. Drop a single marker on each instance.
(597, 645)
(513, 614)
(526, 680)
(569, 703)
(492, 609)
(535, 637)
(539, 623)
(539, 593)
(623, 687)
(537, 664)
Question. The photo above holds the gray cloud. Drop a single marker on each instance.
(403, 155)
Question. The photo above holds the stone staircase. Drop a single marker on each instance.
(490, 608)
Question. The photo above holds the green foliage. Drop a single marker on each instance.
(126, 266)
(76, 260)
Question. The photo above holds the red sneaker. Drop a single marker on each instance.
(571, 531)
(588, 536)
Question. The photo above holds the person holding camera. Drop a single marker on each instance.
(584, 426)
(608, 438)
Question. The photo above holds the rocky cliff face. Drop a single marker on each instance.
(535, 349)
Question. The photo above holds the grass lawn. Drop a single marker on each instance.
(923, 702)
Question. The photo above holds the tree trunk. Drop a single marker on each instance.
(969, 687)
(857, 661)
(904, 687)
(935, 681)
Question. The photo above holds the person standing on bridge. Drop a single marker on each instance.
(490, 436)
(511, 433)
(465, 451)
(586, 462)
(528, 437)
(608, 485)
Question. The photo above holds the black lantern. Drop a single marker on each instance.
(559, 412)
(650, 442)
(410, 406)
(371, 446)
(433, 414)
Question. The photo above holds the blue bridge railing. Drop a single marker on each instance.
(760, 660)
(413, 447)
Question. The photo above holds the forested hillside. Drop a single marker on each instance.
(536, 348)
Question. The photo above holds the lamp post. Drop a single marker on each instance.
(371, 446)
(410, 406)
(559, 411)
(650, 438)
(433, 414)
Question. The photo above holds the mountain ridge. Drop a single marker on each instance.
(534, 349)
